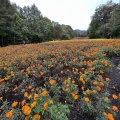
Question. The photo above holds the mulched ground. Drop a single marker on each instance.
(113, 88)
(114, 85)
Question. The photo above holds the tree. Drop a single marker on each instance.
(115, 22)
(100, 26)
(6, 21)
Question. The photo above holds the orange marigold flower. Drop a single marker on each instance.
(87, 99)
(107, 79)
(101, 83)
(64, 82)
(35, 96)
(29, 97)
(76, 97)
(98, 88)
(6, 78)
(73, 81)
(105, 63)
(92, 68)
(52, 82)
(95, 83)
(41, 73)
(44, 93)
(9, 114)
(1, 80)
(33, 104)
(45, 106)
(110, 116)
(114, 96)
(94, 91)
(81, 79)
(100, 76)
(15, 88)
(25, 94)
(82, 87)
(115, 108)
(104, 113)
(61, 72)
(1, 98)
(29, 87)
(23, 102)
(87, 92)
(26, 110)
(101, 72)
(36, 117)
(14, 104)
(26, 118)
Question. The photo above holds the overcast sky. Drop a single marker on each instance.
(75, 13)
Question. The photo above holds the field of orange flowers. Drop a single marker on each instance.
(43, 81)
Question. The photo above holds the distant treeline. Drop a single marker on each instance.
(27, 25)
(105, 22)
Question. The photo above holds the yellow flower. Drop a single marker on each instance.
(106, 98)
(36, 117)
(26, 110)
(33, 104)
(52, 82)
(44, 93)
(14, 104)
(9, 114)
(87, 99)
(51, 101)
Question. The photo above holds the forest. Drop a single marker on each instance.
(27, 25)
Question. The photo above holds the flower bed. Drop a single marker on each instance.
(43, 81)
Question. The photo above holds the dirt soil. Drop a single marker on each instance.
(114, 85)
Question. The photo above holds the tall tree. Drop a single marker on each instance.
(6, 21)
(100, 25)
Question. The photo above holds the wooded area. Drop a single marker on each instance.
(105, 22)
(27, 25)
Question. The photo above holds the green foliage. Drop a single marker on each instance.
(27, 25)
(105, 22)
